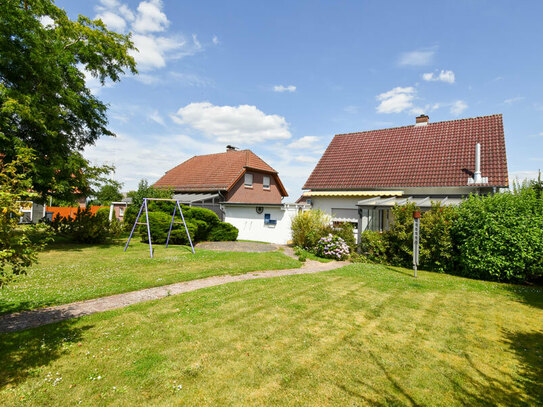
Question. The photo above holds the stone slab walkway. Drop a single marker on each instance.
(30, 319)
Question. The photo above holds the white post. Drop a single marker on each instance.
(416, 239)
(110, 212)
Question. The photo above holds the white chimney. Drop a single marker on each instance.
(477, 179)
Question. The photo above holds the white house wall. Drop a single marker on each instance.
(251, 224)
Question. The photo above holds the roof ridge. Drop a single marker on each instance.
(412, 125)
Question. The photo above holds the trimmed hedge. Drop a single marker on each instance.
(500, 237)
(159, 224)
(203, 224)
(494, 237)
(223, 232)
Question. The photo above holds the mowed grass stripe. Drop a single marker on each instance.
(361, 335)
(68, 273)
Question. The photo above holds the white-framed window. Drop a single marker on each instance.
(266, 182)
(248, 180)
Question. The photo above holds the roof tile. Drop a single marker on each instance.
(435, 155)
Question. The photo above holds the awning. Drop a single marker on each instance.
(190, 198)
(421, 202)
(352, 193)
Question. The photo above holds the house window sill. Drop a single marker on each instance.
(248, 187)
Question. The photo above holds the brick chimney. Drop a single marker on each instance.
(422, 120)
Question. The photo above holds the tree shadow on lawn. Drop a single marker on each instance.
(531, 295)
(24, 354)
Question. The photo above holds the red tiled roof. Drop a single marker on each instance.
(434, 155)
(214, 172)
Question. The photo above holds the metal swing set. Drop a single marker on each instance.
(144, 205)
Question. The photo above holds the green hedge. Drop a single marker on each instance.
(203, 224)
(223, 232)
(495, 237)
(500, 237)
(159, 224)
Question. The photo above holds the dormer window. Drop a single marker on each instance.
(266, 182)
(248, 180)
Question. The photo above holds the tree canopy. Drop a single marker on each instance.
(45, 104)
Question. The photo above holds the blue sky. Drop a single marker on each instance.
(282, 77)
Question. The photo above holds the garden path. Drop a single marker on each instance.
(30, 319)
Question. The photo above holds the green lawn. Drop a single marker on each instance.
(361, 335)
(69, 272)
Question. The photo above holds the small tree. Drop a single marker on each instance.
(308, 227)
(108, 193)
(18, 247)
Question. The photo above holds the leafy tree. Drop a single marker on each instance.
(110, 192)
(44, 102)
(18, 246)
(147, 191)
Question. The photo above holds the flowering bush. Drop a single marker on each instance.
(332, 247)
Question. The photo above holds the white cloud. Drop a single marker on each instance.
(147, 157)
(396, 100)
(305, 159)
(513, 100)
(416, 58)
(125, 11)
(458, 107)
(242, 124)
(112, 21)
(281, 88)
(215, 40)
(156, 117)
(424, 109)
(153, 51)
(189, 79)
(306, 143)
(443, 76)
(150, 18)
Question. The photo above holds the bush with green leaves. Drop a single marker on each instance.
(436, 252)
(400, 236)
(374, 247)
(395, 246)
(223, 232)
(500, 237)
(332, 247)
(308, 227)
(84, 227)
(345, 230)
(159, 224)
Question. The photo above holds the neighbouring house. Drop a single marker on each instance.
(117, 209)
(240, 188)
(362, 175)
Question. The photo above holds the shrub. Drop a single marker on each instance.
(332, 247)
(223, 232)
(436, 245)
(308, 227)
(202, 229)
(85, 227)
(345, 230)
(159, 224)
(206, 215)
(399, 237)
(500, 237)
(374, 246)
